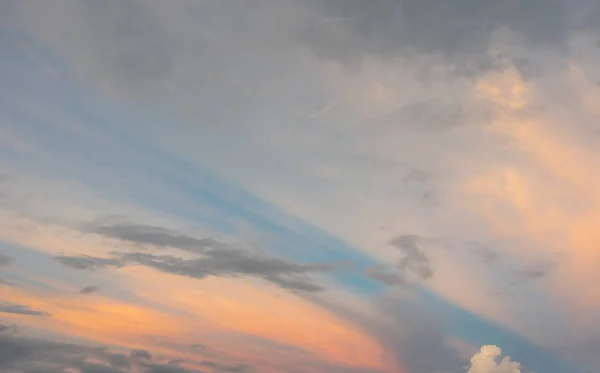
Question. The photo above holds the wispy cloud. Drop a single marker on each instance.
(89, 289)
(217, 258)
(20, 309)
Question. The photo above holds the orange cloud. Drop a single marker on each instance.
(548, 194)
(252, 308)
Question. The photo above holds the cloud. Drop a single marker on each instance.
(385, 275)
(413, 267)
(532, 273)
(89, 290)
(159, 237)
(139, 47)
(88, 262)
(387, 28)
(486, 254)
(536, 271)
(214, 258)
(23, 354)
(162, 368)
(486, 361)
(107, 40)
(141, 354)
(227, 368)
(415, 338)
(415, 263)
(5, 282)
(5, 260)
(20, 309)
(285, 274)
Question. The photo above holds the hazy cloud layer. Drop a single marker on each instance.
(148, 44)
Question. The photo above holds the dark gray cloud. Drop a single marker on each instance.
(88, 262)
(141, 354)
(140, 46)
(214, 258)
(21, 354)
(149, 235)
(89, 290)
(164, 368)
(20, 309)
(349, 30)
(227, 368)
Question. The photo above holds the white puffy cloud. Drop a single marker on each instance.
(486, 361)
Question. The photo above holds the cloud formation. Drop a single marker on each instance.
(414, 263)
(486, 361)
(214, 258)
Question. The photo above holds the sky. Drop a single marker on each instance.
(341, 186)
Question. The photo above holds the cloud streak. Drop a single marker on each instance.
(215, 258)
(20, 309)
